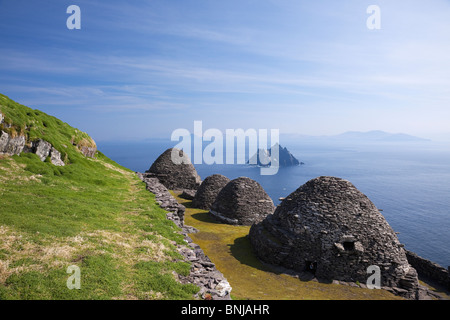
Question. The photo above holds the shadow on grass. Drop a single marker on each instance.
(242, 250)
(186, 203)
(205, 216)
(202, 215)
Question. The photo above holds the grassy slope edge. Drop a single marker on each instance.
(91, 213)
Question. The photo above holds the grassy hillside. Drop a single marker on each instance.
(91, 213)
(35, 124)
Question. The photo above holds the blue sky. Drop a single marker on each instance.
(141, 69)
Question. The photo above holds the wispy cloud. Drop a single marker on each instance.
(301, 59)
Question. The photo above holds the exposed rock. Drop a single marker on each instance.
(88, 151)
(177, 174)
(55, 157)
(208, 191)
(1, 118)
(11, 146)
(284, 158)
(330, 228)
(4, 140)
(17, 145)
(242, 201)
(42, 149)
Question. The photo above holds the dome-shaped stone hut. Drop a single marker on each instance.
(208, 191)
(242, 201)
(174, 170)
(330, 228)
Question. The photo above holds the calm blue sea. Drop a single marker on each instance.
(410, 182)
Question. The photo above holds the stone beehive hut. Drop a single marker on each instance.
(208, 191)
(242, 201)
(180, 174)
(330, 228)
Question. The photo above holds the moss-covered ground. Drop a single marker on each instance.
(229, 248)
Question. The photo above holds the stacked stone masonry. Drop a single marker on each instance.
(429, 270)
(330, 228)
(208, 191)
(175, 171)
(211, 282)
(242, 202)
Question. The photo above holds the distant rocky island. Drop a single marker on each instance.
(263, 157)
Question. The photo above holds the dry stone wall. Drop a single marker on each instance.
(429, 270)
(204, 274)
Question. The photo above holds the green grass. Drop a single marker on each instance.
(91, 213)
(35, 124)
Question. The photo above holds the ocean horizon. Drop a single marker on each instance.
(409, 182)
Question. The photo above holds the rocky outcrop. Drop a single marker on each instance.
(208, 191)
(284, 158)
(55, 158)
(11, 145)
(242, 201)
(175, 171)
(331, 229)
(17, 145)
(88, 151)
(44, 149)
(204, 274)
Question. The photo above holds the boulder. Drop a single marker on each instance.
(9, 145)
(42, 149)
(55, 157)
